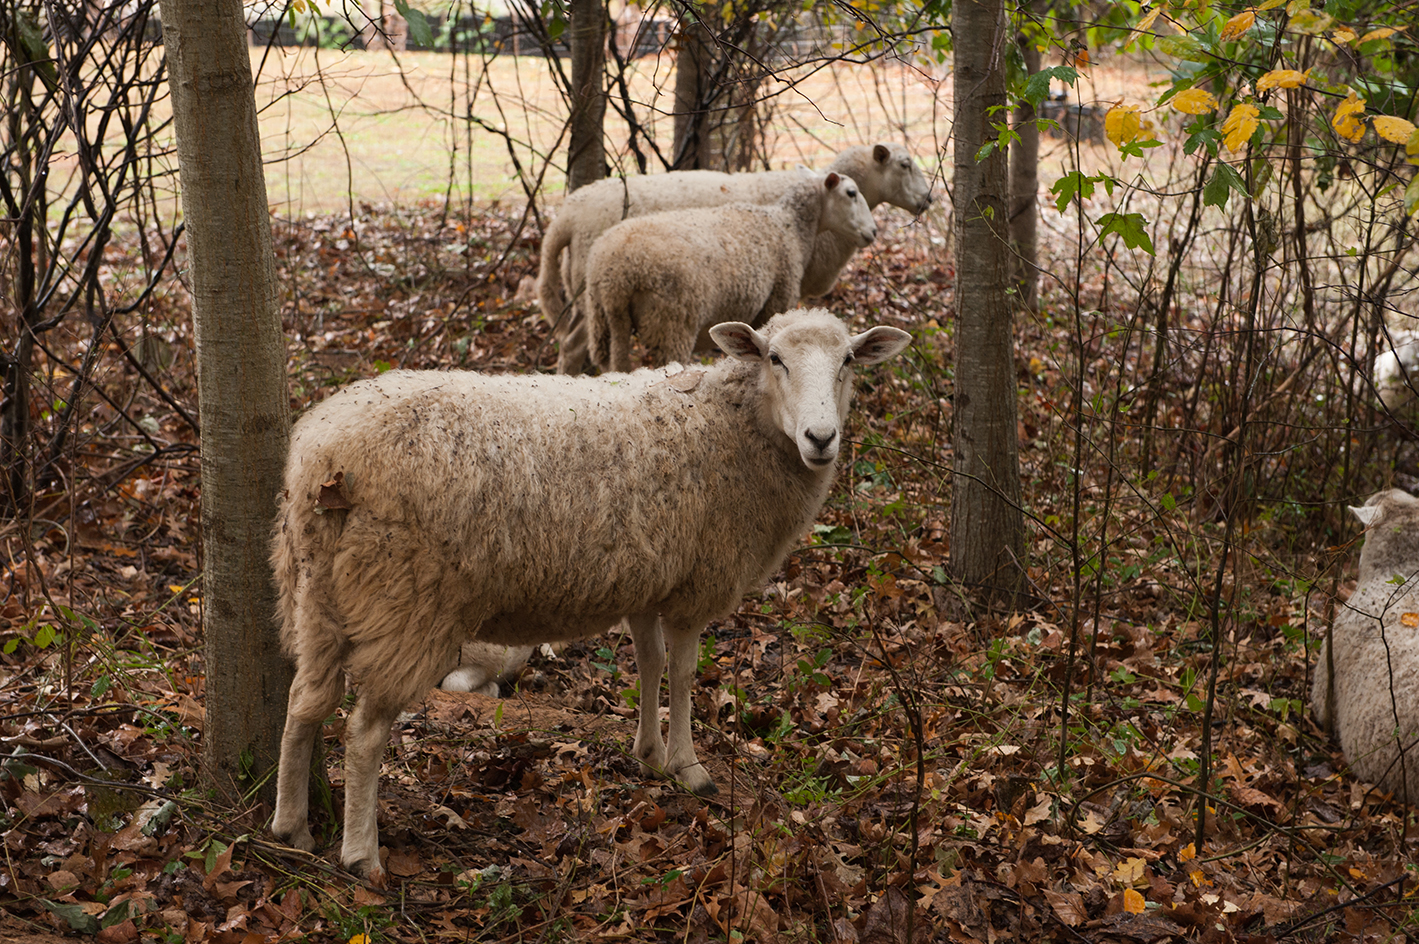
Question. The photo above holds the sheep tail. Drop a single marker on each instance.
(556, 307)
(302, 541)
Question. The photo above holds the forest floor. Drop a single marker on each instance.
(889, 771)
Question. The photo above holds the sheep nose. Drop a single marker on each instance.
(821, 441)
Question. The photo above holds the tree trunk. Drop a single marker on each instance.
(242, 394)
(987, 525)
(691, 76)
(1024, 188)
(586, 154)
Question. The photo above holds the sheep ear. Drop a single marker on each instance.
(1368, 514)
(878, 344)
(737, 339)
(880, 153)
(831, 181)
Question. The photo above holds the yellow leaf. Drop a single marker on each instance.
(1195, 101)
(1344, 34)
(1149, 20)
(1410, 620)
(1270, 5)
(1199, 879)
(1238, 24)
(1122, 124)
(1130, 871)
(1397, 131)
(1281, 78)
(359, 939)
(1384, 32)
(1187, 853)
(1133, 902)
(1296, 6)
(1240, 124)
(1347, 121)
(1411, 150)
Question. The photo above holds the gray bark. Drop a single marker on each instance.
(586, 154)
(242, 393)
(691, 142)
(987, 525)
(1024, 187)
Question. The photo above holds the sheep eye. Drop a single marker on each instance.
(775, 360)
(848, 359)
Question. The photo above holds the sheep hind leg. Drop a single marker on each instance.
(316, 691)
(650, 664)
(367, 735)
(681, 762)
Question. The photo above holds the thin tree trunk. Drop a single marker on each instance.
(586, 155)
(691, 75)
(987, 525)
(1024, 187)
(241, 383)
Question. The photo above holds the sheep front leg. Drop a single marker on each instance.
(650, 663)
(681, 762)
(316, 691)
(367, 734)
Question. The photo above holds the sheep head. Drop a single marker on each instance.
(806, 359)
(845, 209)
(1391, 520)
(901, 181)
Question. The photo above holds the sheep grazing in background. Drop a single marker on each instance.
(670, 276)
(1397, 369)
(483, 666)
(1372, 700)
(885, 173)
(424, 508)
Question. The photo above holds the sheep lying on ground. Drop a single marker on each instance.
(670, 276)
(1397, 369)
(1373, 702)
(483, 666)
(422, 508)
(885, 173)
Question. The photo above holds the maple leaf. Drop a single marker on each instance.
(1239, 24)
(1122, 124)
(1281, 78)
(1347, 121)
(1393, 129)
(1195, 101)
(1240, 124)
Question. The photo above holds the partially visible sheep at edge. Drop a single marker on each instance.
(1373, 703)
(479, 507)
(669, 276)
(886, 173)
(483, 666)
(1397, 369)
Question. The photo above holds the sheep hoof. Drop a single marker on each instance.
(371, 872)
(297, 838)
(698, 781)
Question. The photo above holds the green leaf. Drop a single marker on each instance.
(1184, 47)
(78, 919)
(1132, 228)
(1037, 86)
(419, 30)
(1411, 196)
(1136, 148)
(1223, 181)
(1071, 185)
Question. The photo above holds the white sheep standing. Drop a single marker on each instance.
(480, 507)
(885, 173)
(1397, 369)
(669, 276)
(1373, 646)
